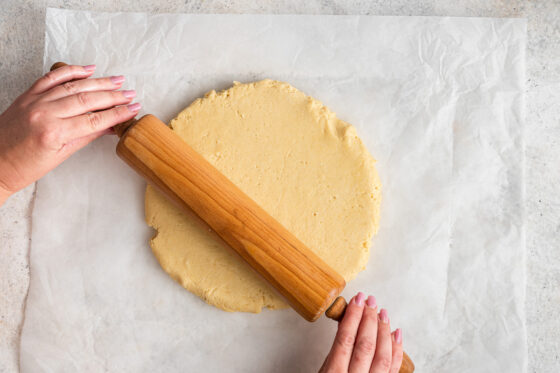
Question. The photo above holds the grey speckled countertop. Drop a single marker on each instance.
(21, 52)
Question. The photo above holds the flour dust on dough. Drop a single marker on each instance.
(296, 159)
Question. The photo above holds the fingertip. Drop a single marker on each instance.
(134, 108)
(117, 80)
(359, 299)
(129, 93)
(384, 316)
(370, 310)
(354, 311)
(397, 336)
(371, 302)
(89, 68)
(123, 113)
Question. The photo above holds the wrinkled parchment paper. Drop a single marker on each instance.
(438, 101)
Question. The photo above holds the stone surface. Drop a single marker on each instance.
(21, 51)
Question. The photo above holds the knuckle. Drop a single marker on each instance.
(35, 115)
(50, 76)
(75, 69)
(49, 137)
(117, 97)
(385, 362)
(346, 340)
(94, 120)
(122, 112)
(70, 87)
(21, 104)
(82, 98)
(117, 114)
(366, 346)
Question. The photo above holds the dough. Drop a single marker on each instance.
(288, 152)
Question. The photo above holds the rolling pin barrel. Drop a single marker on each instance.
(164, 159)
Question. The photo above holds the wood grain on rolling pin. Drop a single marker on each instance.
(305, 280)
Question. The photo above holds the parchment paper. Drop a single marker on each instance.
(438, 101)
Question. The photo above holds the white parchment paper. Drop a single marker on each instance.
(439, 103)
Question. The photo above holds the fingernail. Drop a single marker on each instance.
(360, 299)
(89, 68)
(398, 336)
(371, 302)
(134, 107)
(118, 79)
(384, 316)
(129, 93)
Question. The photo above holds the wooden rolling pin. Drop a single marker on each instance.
(309, 285)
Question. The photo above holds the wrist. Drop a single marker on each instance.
(4, 194)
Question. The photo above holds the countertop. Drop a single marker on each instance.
(21, 51)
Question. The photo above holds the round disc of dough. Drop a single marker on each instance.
(290, 154)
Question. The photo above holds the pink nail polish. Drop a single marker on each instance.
(129, 93)
(134, 107)
(371, 302)
(118, 79)
(383, 316)
(398, 336)
(89, 68)
(360, 299)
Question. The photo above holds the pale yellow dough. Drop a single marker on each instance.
(288, 152)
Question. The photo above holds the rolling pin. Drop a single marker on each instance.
(159, 155)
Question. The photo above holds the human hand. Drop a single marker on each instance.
(62, 112)
(364, 342)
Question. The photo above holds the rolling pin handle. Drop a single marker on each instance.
(336, 312)
(57, 65)
(337, 309)
(121, 128)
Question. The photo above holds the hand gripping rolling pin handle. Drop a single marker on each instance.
(308, 284)
(336, 312)
(119, 128)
